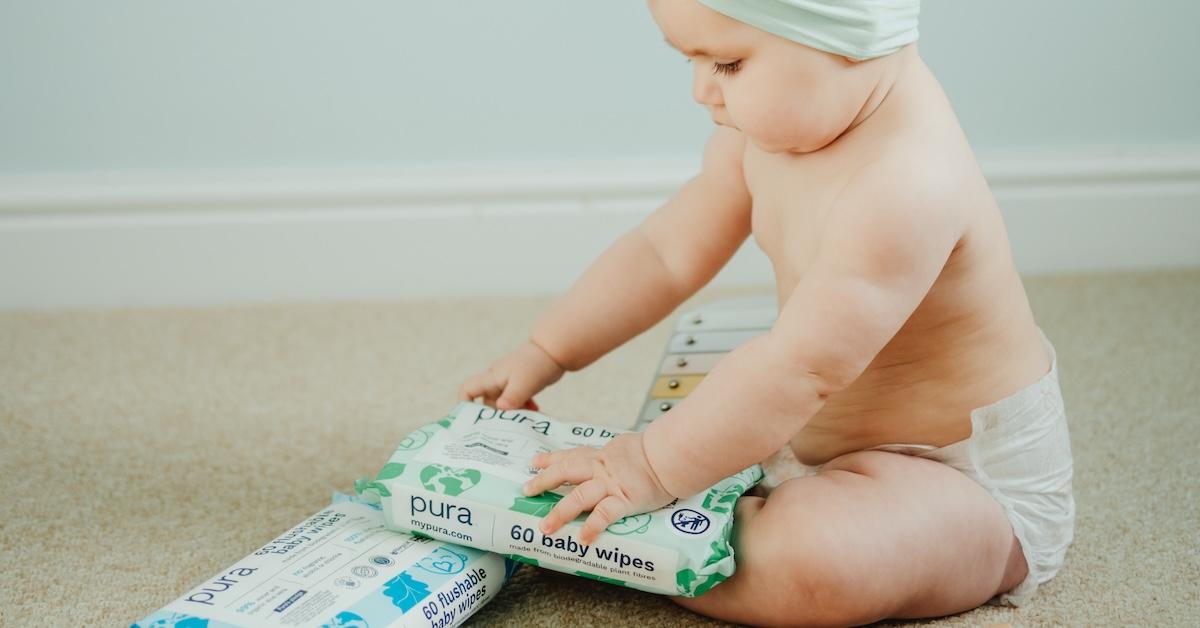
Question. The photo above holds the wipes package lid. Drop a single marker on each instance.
(342, 567)
(459, 480)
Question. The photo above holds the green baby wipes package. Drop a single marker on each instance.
(459, 480)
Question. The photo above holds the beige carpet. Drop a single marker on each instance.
(142, 450)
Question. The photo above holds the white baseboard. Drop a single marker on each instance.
(132, 240)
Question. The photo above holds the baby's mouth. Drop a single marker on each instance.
(721, 120)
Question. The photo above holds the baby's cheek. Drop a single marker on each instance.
(802, 128)
(767, 123)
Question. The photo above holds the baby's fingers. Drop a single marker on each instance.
(572, 469)
(481, 385)
(583, 498)
(547, 458)
(517, 391)
(604, 514)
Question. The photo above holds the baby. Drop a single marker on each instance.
(905, 401)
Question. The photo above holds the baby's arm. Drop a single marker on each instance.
(886, 240)
(649, 271)
(637, 281)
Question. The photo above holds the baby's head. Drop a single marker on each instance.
(792, 75)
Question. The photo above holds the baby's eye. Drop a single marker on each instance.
(727, 68)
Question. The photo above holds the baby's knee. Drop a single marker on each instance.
(793, 565)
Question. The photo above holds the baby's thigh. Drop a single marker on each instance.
(873, 535)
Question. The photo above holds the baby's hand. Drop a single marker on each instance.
(612, 482)
(514, 379)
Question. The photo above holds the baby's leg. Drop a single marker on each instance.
(873, 535)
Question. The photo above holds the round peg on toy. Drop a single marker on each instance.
(681, 362)
(664, 406)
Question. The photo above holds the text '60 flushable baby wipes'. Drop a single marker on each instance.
(459, 479)
(342, 567)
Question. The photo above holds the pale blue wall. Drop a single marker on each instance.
(219, 84)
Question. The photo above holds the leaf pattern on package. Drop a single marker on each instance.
(537, 505)
(362, 485)
(718, 551)
(390, 470)
(722, 500)
(405, 591)
(692, 585)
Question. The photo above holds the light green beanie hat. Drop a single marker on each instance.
(858, 29)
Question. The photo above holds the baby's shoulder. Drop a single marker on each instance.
(914, 185)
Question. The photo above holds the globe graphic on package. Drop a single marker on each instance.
(448, 480)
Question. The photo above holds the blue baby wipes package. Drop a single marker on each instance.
(342, 567)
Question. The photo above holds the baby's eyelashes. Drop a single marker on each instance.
(727, 68)
(722, 68)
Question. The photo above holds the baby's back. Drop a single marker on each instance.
(971, 341)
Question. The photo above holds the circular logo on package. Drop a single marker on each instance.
(365, 571)
(381, 560)
(689, 521)
(346, 582)
(633, 524)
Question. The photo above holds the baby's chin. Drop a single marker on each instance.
(773, 142)
(780, 146)
(803, 139)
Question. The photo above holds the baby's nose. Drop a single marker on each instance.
(704, 87)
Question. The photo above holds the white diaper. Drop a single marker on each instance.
(1019, 450)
